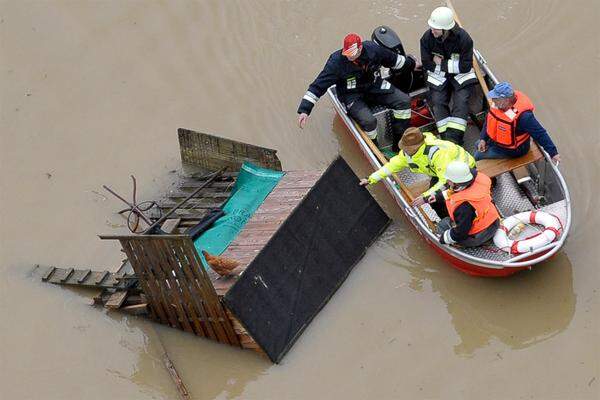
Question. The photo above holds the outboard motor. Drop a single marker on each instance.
(406, 81)
(386, 37)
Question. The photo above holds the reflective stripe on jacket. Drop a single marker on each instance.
(502, 125)
(480, 198)
(354, 77)
(431, 159)
(456, 51)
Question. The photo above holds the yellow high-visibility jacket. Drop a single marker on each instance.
(431, 159)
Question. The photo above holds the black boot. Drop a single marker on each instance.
(454, 135)
(398, 129)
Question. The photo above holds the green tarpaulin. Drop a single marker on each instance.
(252, 186)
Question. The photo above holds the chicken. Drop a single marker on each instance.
(221, 265)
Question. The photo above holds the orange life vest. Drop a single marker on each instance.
(479, 196)
(502, 125)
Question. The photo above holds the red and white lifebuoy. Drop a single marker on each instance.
(552, 230)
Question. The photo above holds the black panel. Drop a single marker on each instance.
(306, 260)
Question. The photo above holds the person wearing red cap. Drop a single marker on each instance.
(355, 70)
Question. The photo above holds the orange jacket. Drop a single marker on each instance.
(502, 125)
(479, 196)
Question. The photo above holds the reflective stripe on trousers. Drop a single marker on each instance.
(462, 78)
(372, 134)
(402, 114)
(436, 79)
(459, 124)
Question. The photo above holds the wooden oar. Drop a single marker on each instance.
(519, 170)
(383, 160)
(476, 67)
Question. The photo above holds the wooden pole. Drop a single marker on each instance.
(476, 66)
(182, 391)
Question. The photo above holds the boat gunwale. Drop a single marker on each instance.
(542, 253)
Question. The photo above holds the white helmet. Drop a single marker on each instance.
(442, 18)
(458, 172)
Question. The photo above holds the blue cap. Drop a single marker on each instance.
(502, 90)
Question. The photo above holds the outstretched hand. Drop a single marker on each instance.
(363, 182)
(419, 201)
(556, 159)
(302, 118)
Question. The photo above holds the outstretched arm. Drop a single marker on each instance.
(316, 89)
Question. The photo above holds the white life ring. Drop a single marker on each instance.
(552, 230)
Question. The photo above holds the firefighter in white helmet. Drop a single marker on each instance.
(473, 217)
(447, 56)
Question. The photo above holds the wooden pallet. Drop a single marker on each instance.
(213, 152)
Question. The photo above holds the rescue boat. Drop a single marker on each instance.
(530, 192)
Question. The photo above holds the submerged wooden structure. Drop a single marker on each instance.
(293, 253)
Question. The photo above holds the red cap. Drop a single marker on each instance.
(352, 45)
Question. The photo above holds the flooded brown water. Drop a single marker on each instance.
(92, 92)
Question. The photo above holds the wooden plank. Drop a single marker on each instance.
(67, 275)
(170, 224)
(175, 264)
(48, 274)
(495, 167)
(417, 189)
(116, 300)
(162, 266)
(304, 174)
(153, 296)
(189, 213)
(84, 275)
(214, 307)
(101, 277)
(191, 183)
(125, 268)
(191, 204)
(220, 183)
(202, 195)
(155, 281)
(136, 309)
(140, 237)
(196, 292)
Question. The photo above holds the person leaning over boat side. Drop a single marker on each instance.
(423, 154)
(355, 70)
(447, 57)
(509, 125)
(473, 218)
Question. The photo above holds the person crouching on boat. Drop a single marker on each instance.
(447, 57)
(509, 125)
(423, 154)
(473, 217)
(355, 70)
